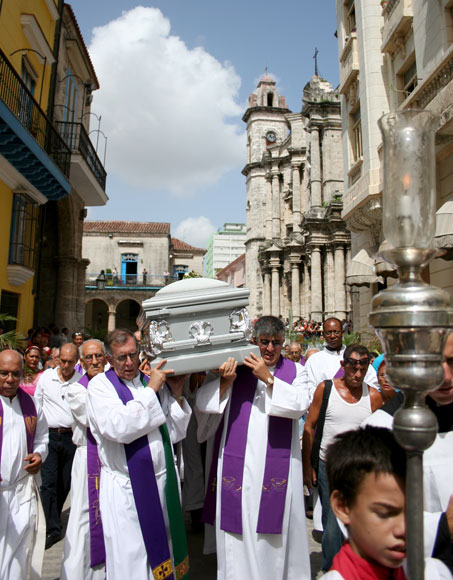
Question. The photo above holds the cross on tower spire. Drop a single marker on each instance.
(315, 56)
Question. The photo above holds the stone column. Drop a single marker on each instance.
(347, 287)
(340, 295)
(80, 301)
(297, 215)
(307, 290)
(111, 324)
(329, 291)
(269, 206)
(316, 191)
(275, 283)
(316, 286)
(275, 205)
(295, 286)
(267, 292)
(66, 290)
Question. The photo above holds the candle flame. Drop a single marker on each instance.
(406, 180)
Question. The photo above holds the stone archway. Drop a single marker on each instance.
(96, 317)
(126, 314)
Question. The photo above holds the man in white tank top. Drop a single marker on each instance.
(351, 400)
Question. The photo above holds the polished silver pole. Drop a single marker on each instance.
(411, 318)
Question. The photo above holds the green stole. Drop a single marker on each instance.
(174, 510)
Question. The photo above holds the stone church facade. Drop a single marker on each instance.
(297, 245)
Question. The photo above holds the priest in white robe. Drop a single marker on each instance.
(122, 412)
(258, 511)
(23, 447)
(78, 561)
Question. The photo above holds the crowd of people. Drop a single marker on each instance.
(312, 329)
(95, 420)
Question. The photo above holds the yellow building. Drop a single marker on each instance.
(34, 160)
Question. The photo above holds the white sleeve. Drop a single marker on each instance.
(177, 417)
(41, 442)
(39, 393)
(122, 423)
(379, 418)
(436, 570)
(76, 397)
(430, 527)
(288, 400)
(209, 408)
(371, 378)
(310, 379)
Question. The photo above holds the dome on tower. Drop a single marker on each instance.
(266, 95)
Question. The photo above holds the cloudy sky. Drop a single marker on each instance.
(175, 76)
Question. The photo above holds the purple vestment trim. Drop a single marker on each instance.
(144, 488)
(278, 457)
(234, 450)
(28, 409)
(1, 434)
(97, 546)
(339, 374)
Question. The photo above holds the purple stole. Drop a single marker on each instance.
(340, 373)
(97, 546)
(146, 493)
(28, 409)
(278, 456)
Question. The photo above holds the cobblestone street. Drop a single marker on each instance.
(202, 567)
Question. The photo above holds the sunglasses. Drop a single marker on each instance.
(266, 342)
(357, 362)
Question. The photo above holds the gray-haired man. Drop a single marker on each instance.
(258, 510)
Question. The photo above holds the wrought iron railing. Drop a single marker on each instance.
(78, 141)
(17, 97)
(118, 280)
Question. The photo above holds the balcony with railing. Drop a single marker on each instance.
(349, 62)
(398, 15)
(88, 175)
(28, 140)
(128, 282)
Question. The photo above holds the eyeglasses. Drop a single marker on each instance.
(122, 358)
(14, 374)
(266, 342)
(356, 362)
(97, 356)
(332, 332)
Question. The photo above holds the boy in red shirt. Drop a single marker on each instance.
(367, 470)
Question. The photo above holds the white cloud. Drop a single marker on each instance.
(195, 231)
(168, 111)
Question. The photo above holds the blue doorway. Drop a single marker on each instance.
(129, 268)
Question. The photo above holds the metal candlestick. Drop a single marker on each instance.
(411, 318)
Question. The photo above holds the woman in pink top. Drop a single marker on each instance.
(29, 381)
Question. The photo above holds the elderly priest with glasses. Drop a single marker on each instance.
(251, 413)
(135, 420)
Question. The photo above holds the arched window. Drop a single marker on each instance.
(270, 99)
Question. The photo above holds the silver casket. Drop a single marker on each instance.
(196, 324)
